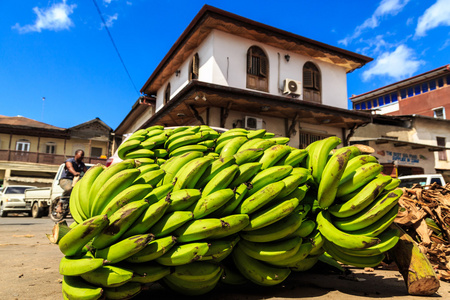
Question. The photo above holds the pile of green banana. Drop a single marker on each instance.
(191, 208)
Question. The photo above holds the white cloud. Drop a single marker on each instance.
(55, 18)
(386, 7)
(398, 64)
(110, 20)
(436, 15)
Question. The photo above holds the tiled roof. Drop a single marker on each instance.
(25, 122)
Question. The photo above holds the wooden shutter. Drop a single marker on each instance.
(249, 60)
(195, 66)
(308, 81)
(263, 67)
(316, 80)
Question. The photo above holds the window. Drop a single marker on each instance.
(448, 79)
(394, 97)
(410, 92)
(442, 155)
(167, 94)
(403, 93)
(387, 99)
(375, 103)
(432, 85)
(363, 105)
(417, 89)
(50, 148)
(424, 87)
(96, 152)
(23, 145)
(380, 101)
(439, 113)
(194, 68)
(257, 69)
(312, 83)
(369, 104)
(306, 138)
(440, 81)
(357, 106)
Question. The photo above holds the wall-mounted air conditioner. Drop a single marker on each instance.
(253, 123)
(291, 86)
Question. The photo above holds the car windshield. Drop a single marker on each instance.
(409, 182)
(16, 189)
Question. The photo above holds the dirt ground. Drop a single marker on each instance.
(29, 270)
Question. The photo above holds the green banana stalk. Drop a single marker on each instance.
(232, 146)
(119, 222)
(72, 243)
(182, 254)
(153, 250)
(341, 238)
(124, 248)
(72, 266)
(108, 276)
(256, 271)
(208, 204)
(170, 221)
(331, 175)
(74, 287)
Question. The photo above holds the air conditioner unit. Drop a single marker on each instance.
(253, 123)
(291, 86)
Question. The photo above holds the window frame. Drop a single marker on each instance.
(166, 94)
(23, 142)
(50, 145)
(312, 82)
(442, 155)
(194, 68)
(257, 69)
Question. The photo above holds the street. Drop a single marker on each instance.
(29, 270)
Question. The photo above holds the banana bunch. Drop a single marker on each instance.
(190, 208)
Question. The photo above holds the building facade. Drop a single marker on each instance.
(31, 151)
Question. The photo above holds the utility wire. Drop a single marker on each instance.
(114, 45)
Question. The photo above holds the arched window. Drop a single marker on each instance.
(257, 69)
(312, 83)
(23, 145)
(194, 68)
(167, 94)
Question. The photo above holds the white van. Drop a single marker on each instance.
(422, 180)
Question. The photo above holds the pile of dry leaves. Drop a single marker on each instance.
(425, 215)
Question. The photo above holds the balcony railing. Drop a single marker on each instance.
(42, 158)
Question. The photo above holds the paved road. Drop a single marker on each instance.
(29, 270)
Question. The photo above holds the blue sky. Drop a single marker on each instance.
(61, 51)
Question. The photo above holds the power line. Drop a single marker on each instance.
(114, 45)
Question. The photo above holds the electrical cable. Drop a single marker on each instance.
(114, 45)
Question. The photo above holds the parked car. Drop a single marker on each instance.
(423, 180)
(12, 200)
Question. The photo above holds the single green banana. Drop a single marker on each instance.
(126, 147)
(159, 193)
(381, 225)
(392, 185)
(250, 143)
(85, 186)
(294, 158)
(191, 288)
(75, 206)
(106, 174)
(356, 261)
(361, 176)
(148, 218)
(305, 229)
(305, 264)
(153, 250)
(178, 135)
(372, 213)
(208, 143)
(190, 148)
(148, 272)
(126, 291)
(119, 222)
(362, 199)
(228, 208)
(276, 231)
(291, 183)
(231, 224)
(161, 153)
(72, 243)
(331, 176)
(151, 177)
(269, 135)
(171, 221)
(248, 155)
(158, 139)
(213, 169)
(271, 214)
(148, 144)
(144, 168)
(229, 135)
(388, 238)
(260, 198)
(115, 184)
(273, 154)
(263, 144)
(183, 199)
(356, 162)
(341, 238)
(256, 271)
(196, 230)
(307, 163)
(321, 155)
(124, 248)
(138, 153)
(267, 176)
(72, 266)
(271, 251)
(108, 276)
(174, 165)
(220, 249)
(245, 173)
(74, 287)
(220, 181)
(303, 251)
(188, 175)
(181, 254)
(196, 271)
(154, 132)
(232, 146)
(184, 141)
(132, 193)
(210, 203)
(255, 134)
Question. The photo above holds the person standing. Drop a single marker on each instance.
(74, 166)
